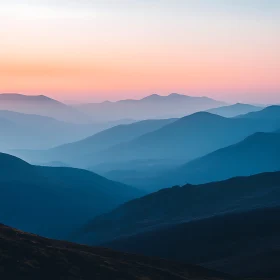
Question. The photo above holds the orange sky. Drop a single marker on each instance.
(97, 52)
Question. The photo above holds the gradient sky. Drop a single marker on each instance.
(102, 49)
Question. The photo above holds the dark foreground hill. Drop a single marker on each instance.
(183, 204)
(27, 256)
(53, 201)
(245, 244)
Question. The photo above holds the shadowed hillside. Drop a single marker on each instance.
(27, 256)
(244, 244)
(54, 202)
(181, 204)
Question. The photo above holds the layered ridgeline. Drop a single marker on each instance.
(179, 140)
(151, 107)
(28, 256)
(77, 153)
(41, 105)
(27, 131)
(245, 244)
(187, 138)
(268, 113)
(182, 204)
(194, 136)
(235, 110)
(257, 153)
(54, 202)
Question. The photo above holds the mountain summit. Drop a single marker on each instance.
(40, 105)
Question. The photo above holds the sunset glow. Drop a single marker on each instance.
(97, 50)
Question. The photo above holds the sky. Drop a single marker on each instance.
(95, 50)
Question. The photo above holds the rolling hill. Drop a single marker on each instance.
(28, 256)
(54, 202)
(182, 204)
(243, 244)
(234, 110)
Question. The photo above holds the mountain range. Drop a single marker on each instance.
(174, 141)
(256, 153)
(182, 204)
(54, 202)
(151, 107)
(189, 137)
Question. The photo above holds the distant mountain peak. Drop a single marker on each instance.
(152, 97)
(23, 97)
(202, 116)
(174, 94)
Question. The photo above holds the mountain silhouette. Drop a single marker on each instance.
(29, 256)
(183, 204)
(41, 105)
(151, 107)
(244, 244)
(54, 202)
(234, 110)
